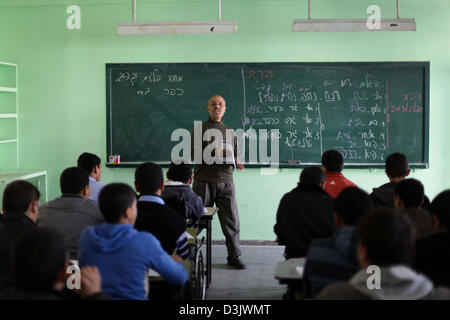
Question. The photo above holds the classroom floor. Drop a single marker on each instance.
(256, 282)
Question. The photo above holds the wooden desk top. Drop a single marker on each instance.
(210, 211)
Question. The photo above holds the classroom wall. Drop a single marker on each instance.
(62, 102)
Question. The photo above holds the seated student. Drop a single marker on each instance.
(73, 211)
(335, 259)
(397, 169)
(20, 211)
(409, 195)
(433, 252)
(92, 164)
(332, 164)
(304, 214)
(386, 240)
(121, 253)
(38, 270)
(154, 215)
(178, 187)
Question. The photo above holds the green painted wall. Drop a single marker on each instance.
(62, 75)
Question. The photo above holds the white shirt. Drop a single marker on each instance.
(95, 188)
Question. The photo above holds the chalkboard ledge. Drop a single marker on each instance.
(282, 165)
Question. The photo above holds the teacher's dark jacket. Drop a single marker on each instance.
(304, 214)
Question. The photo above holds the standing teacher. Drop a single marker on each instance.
(214, 182)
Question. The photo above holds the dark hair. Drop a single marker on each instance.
(88, 161)
(333, 161)
(411, 192)
(37, 256)
(148, 177)
(440, 207)
(73, 180)
(179, 172)
(352, 204)
(397, 165)
(388, 237)
(312, 175)
(18, 196)
(114, 199)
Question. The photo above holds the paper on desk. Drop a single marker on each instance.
(290, 269)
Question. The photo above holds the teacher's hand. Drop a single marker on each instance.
(239, 165)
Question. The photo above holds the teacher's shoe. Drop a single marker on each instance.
(235, 263)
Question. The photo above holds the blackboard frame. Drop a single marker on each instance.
(426, 97)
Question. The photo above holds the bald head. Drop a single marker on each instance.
(215, 96)
(216, 107)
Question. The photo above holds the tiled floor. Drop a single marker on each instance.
(256, 282)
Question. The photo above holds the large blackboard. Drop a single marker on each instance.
(366, 110)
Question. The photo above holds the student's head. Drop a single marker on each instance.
(75, 180)
(117, 203)
(350, 206)
(21, 197)
(91, 163)
(38, 259)
(409, 193)
(440, 211)
(180, 172)
(397, 167)
(312, 176)
(385, 238)
(148, 178)
(332, 161)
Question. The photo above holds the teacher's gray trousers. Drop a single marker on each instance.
(223, 195)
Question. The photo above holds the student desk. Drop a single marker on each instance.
(205, 222)
(290, 272)
(162, 290)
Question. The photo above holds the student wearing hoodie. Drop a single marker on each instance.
(121, 253)
(332, 165)
(178, 187)
(397, 169)
(433, 252)
(386, 241)
(331, 260)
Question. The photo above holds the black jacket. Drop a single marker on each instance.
(192, 203)
(304, 214)
(433, 258)
(161, 221)
(11, 226)
(383, 196)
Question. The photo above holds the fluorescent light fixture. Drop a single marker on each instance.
(337, 25)
(176, 27)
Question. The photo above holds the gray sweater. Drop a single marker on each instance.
(69, 215)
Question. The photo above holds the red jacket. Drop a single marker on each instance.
(336, 182)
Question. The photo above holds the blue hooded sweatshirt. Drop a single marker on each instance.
(123, 256)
